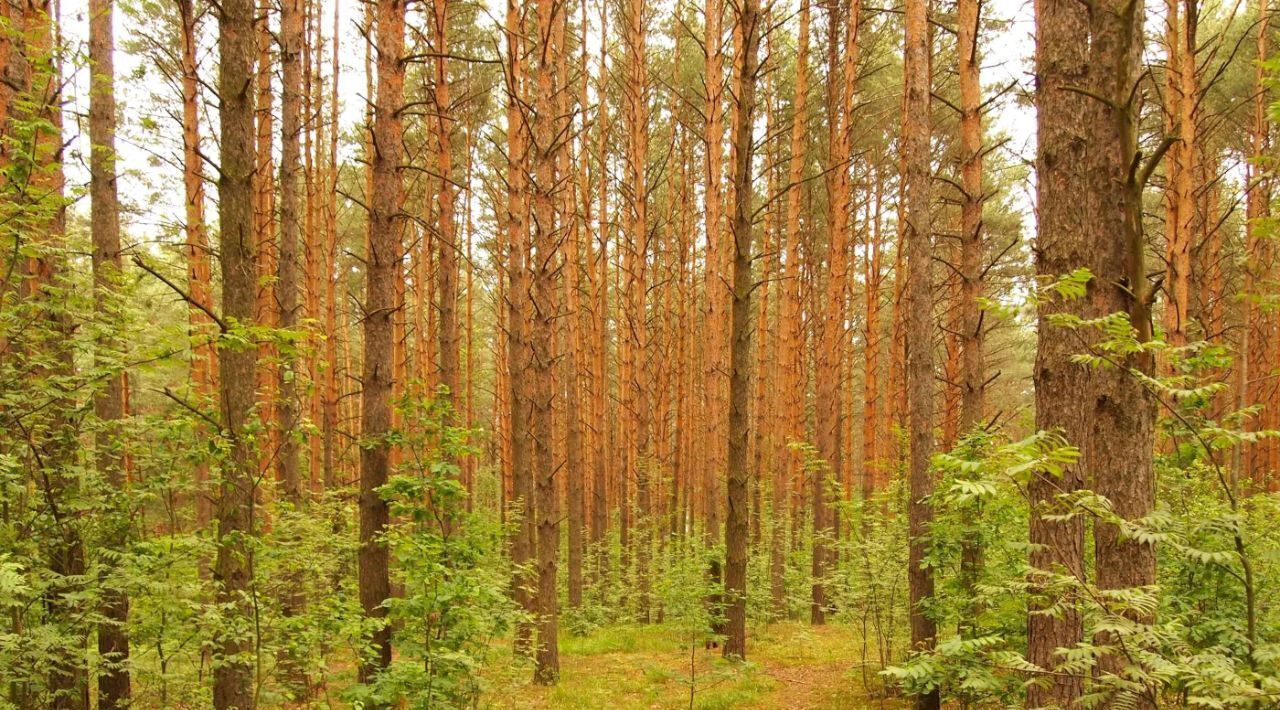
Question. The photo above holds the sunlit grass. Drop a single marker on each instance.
(789, 665)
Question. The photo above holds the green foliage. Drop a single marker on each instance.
(1205, 635)
(449, 564)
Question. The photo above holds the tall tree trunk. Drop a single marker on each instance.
(973, 377)
(36, 84)
(108, 404)
(872, 404)
(791, 347)
(310, 401)
(578, 375)
(1062, 387)
(331, 387)
(204, 373)
(1122, 412)
(519, 316)
(920, 324)
(829, 360)
(735, 535)
(469, 408)
(113, 637)
(764, 416)
(237, 365)
(636, 101)
(1255, 347)
(287, 412)
(1182, 94)
(385, 253)
(543, 257)
(266, 250)
(286, 291)
(599, 271)
(713, 288)
(446, 238)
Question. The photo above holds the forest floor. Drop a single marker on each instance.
(790, 665)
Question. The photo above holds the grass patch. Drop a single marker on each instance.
(632, 666)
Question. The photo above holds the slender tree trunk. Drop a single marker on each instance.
(920, 324)
(331, 386)
(763, 417)
(266, 250)
(108, 404)
(312, 106)
(1254, 346)
(544, 257)
(713, 289)
(578, 376)
(791, 347)
(599, 324)
(204, 373)
(446, 238)
(287, 411)
(519, 317)
(1182, 94)
(237, 365)
(469, 408)
(973, 376)
(286, 291)
(636, 100)
(829, 361)
(872, 404)
(735, 536)
(385, 253)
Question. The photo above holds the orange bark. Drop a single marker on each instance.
(874, 471)
(204, 375)
(714, 291)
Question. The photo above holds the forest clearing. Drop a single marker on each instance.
(381, 354)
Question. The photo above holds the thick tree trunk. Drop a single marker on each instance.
(385, 253)
(1122, 410)
(1062, 387)
(237, 365)
(108, 404)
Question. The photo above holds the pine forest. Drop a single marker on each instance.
(391, 354)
